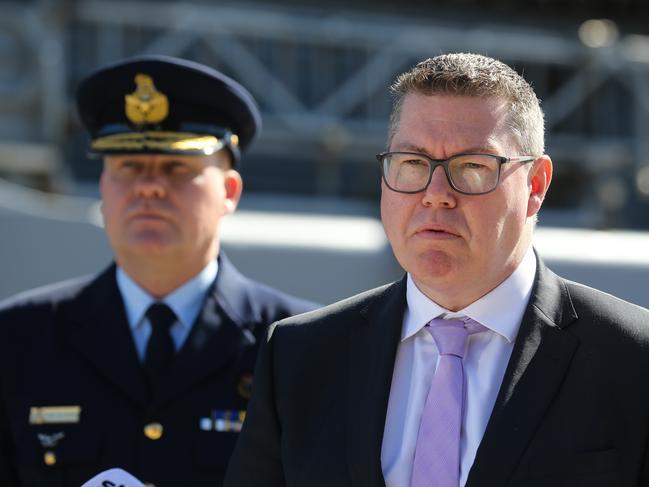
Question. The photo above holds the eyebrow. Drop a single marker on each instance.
(170, 158)
(412, 148)
(122, 158)
(470, 150)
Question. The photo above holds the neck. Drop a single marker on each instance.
(161, 277)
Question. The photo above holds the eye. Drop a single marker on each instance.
(181, 169)
(176, 167)
(128, 166)
(414, 162)
(473, 165)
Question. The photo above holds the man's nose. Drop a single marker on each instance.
(151, 184)
(439, 191)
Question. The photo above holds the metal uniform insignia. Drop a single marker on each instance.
(244, 388)
(49, 458)
(50, 441)
(146, 104)
(54, 414)
(153, 431)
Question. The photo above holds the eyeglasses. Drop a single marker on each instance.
(411, 172)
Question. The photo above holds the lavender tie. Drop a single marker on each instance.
(437, 453)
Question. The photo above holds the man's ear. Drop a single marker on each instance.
(233, 188)
(538, 182)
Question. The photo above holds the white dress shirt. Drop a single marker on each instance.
(485, 361)
(186, 302)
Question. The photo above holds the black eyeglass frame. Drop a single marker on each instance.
(444, 163)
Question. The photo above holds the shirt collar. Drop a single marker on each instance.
(185, 301)
(501, 309)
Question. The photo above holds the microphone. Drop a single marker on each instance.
(115, 477)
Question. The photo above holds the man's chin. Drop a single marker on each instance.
(150, 246)
(433, 264)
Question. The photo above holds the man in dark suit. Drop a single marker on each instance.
(147, 366)
(480, 367)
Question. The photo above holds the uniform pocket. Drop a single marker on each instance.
(56, 455)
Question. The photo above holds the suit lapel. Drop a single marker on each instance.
(539, 362)
(216, 335)
(95, 325)
(372, 348)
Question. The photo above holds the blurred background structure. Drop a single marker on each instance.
(320, 72)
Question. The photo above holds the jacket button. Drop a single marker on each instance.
(49, 458)
(153, 431)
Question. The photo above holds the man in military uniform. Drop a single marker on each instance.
(148, 365)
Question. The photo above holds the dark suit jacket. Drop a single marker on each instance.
(573, 409)
(70, 345)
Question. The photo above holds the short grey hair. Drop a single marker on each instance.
(465, 74)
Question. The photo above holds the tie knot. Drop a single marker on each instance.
(450, 335)
(161, 316)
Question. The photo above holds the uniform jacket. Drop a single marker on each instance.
(70, 345)
(573, 408)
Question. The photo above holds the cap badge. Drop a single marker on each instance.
(146, 104)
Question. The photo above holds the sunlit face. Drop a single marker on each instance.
(458, 247)
(167, 206)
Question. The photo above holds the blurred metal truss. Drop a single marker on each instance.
(321, 78)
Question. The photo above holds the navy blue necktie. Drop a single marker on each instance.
(160, 349)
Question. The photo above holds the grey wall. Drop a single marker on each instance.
(316, 257)
(35, 251)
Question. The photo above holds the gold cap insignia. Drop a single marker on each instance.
(146, 104)
(158, 140)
